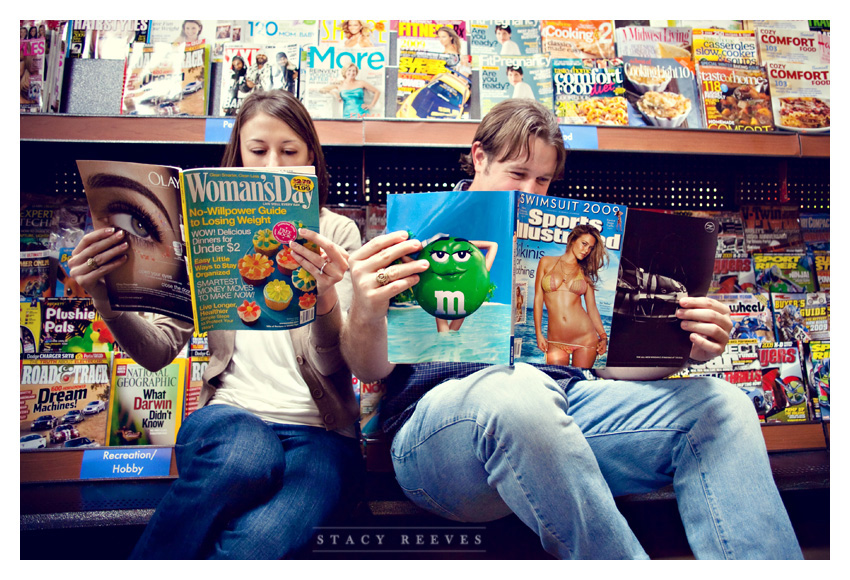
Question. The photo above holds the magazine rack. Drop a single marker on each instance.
(647, 168)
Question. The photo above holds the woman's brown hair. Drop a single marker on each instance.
(597, 258)
(281, 105)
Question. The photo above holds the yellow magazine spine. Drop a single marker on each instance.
(186, 239)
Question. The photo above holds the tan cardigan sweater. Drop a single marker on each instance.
(155, 344)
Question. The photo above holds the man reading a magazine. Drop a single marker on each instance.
(474, 442)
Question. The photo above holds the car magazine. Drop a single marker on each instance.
(513, 77)
(494, 280)
(665, 258)
(589, 91)
(144, 201)
(662, 92)
(461, 310)
(752, 317)
(771, 227)
(63, 399)
(433, 85)
(504, 37)
(784, 272)
(239, 222)
(166, 80)
(801, 316)
(786, 399)
(146, 408)
(343, 83)
(817, 371)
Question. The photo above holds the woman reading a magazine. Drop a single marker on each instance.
(573, 335)
(271, 451)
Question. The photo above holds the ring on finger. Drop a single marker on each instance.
(381, 277)
(92, 263)
(322, 269)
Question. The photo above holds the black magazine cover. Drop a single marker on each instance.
(667, 257)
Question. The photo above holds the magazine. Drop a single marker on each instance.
(788, 46)
(665, 257)
(504, 77)
(32, 56)
(735, 97)
(752, 317)
(63, 397)
(800, 96)
(166, 80)
(782, 25)
(771, 227)
(786, 399)
(197, 365)
(144, 201)
(145, 408)
(733, 275)
(239, 222)
(108, 39)
(817, 372)
(30, 327)
(662, 92)
(433, 85)
(73, 325)
(343, 83)
(725, 46)
(589, 92)
(653, 42)
(38, 275)
(580, 39)
(440, 36)
(821, 265)
(354, 33)
(784, 272)
(815, 229)
(485, 299)
(801, 316)
(504, 37)
(748, 378)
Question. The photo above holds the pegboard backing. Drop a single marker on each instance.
(362, 175)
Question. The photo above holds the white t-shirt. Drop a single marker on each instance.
(263, 378)
(510, 48)
(522, 90)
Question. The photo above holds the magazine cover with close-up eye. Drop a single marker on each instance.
(667, 258)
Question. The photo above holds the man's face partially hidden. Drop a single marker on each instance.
(532, 175)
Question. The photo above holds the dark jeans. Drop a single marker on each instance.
(249, 489)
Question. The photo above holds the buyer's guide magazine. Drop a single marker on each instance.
(239, 222)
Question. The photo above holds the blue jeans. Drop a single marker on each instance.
(250, 489)
(512, 440)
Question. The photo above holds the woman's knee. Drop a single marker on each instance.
(231, 445)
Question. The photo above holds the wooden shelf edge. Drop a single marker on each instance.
(421, 133)
(794, 437)
(64, 465)
(814, 145)
(651, 140)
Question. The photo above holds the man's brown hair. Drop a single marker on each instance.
(507, 130)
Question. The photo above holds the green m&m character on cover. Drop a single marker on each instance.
(457, 282)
